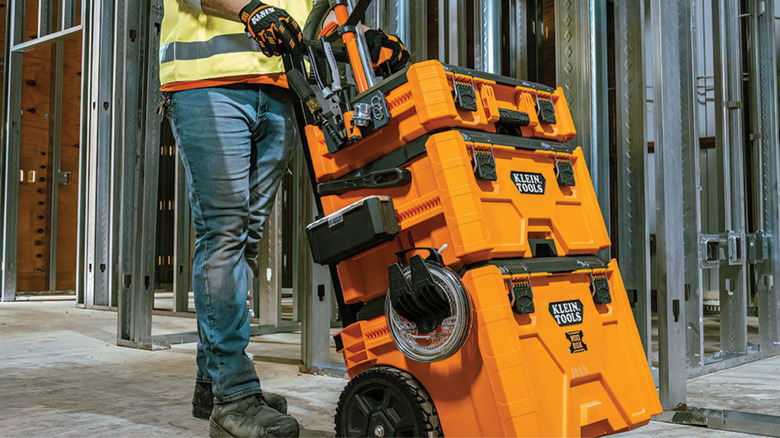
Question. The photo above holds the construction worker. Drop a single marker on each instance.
(233, 121)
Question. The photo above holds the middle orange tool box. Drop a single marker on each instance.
(431, 96)
(478, 195)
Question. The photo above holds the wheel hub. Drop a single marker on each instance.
(380, 424)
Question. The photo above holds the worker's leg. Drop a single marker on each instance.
(213, 129)
(275, 140)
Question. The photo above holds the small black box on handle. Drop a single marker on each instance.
(352, 230)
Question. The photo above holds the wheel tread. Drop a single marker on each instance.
(405, 380)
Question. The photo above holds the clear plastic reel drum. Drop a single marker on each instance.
(447, 339)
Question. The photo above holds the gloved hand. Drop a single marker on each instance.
(272, 27)
(387, 49)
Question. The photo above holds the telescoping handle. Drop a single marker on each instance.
(355, 41)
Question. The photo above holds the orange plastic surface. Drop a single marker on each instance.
(425, 103)
(517, 375)
(478, 220)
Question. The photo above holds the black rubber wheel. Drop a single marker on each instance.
(386, 402)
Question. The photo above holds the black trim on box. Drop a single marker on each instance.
(339, 342)
(552, 265)
(372, 309)
(400, 77)
(416, 148)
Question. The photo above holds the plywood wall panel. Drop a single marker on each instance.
(33, 226)
(35, 208)
(67, 232)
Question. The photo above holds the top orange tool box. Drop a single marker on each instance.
(431, 96)
(491, 336)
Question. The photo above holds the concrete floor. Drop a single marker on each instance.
(61, 374)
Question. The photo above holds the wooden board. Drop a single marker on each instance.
(67, 233)
(33, 226)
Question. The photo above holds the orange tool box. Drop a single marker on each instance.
(526, 198)
(460, 233)
(431, 96)
(546, 355)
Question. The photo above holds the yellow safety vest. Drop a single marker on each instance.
(195, 46)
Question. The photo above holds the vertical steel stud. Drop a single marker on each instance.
(673, 94)
(729, 144)
(766, 159)
(633, 208)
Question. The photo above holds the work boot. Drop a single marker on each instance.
(203, 401)
(250, 417)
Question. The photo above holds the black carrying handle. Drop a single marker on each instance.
(433, 255)
(380, 179)
(513, 118)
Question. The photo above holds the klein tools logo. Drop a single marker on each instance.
(529, 183)
(259, 16)
(577, 346)
(566, 312)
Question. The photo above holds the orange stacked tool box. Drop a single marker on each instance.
(431, 96)
(541, 373)
(534, 198)
(462, 231)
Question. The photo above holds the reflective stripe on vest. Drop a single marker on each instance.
(220, 44)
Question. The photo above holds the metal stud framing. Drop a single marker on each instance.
(765, 153)
(691, 183)
(98, 200)
(633, 208)
(673, 95)
(518, 38)
(452, 20)
(581, 57)
(487, 38)
(139, 26)
(729, 144)
(182, 261)
(120, 140)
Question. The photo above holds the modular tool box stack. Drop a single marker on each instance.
(464, 232)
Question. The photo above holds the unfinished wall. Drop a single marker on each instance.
(36, 176)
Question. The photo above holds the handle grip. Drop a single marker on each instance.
(380, 179)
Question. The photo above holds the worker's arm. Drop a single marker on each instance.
(227, 9)
(272, 27)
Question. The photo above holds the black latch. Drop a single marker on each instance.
(564, 171)
(545, 110)
(523, 296)
(422, 301)
(599, 288)
(484, 164)
(465, 96)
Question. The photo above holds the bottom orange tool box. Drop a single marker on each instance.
(550, 349)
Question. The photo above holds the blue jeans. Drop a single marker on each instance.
(234, 142)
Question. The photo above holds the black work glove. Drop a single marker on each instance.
(272, 27)
(387, 50)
